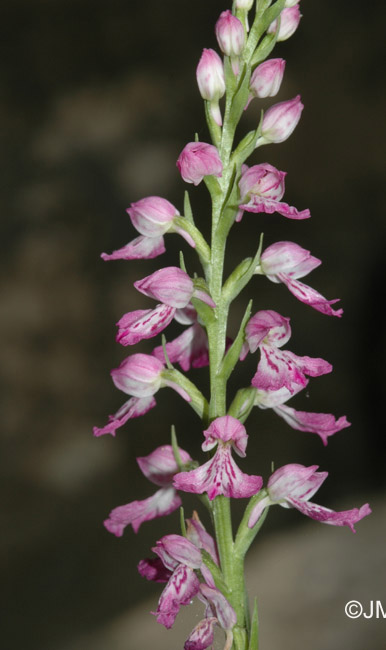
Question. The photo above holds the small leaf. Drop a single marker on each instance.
(176, 449)
(233, 354)
(188, 208)
(254, 638)
(271, 14)
(182, 522)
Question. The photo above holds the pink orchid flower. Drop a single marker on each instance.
(175, 289)
(291, 486)
(159, 467)
(153, 217)
(221, 475)
(139, 375)
(261, 190)
(286, 262)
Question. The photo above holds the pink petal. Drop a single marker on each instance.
(202, 635)
(153, 569)
(311, 366)
(133, 408)
(327, 516)
(324, 424)
(143, 324)
(310, 296)
(267, 325)
(141, 248)
(170, 285)
(183, 585)
(294, 481)
(189, 348)
(226, 428)
(197, 534)
(289, 258)
(269, 399)
(258, 511)
(225, 613)
(269, 206)
(175, 549)
(163, 502)
(220, 475)
(160, 466)
(277, 369)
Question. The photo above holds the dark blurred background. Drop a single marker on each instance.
(97, 101)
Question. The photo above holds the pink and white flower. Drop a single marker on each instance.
(286, 262)
(218, 612)
(282, 374)
(230, 34)
(159, 467)
(197, 160)
(291, 486)
(289, 22)
(268, 331)
(181, 557)
(261, 190)
(175, 288)
(211, 81)
(221, 475)
(230, 37)
(139, 375)
(266, 79)
(280, 121)
(153, 217)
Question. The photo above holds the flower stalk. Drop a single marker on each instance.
(197, 563)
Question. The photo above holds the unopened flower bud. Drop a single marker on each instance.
(230, 34)
(280, 120)
(266, 79)
(152, 216)
(211, 81)
(289, 21)
(210, 76)
(199, 159)
(244, 4)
